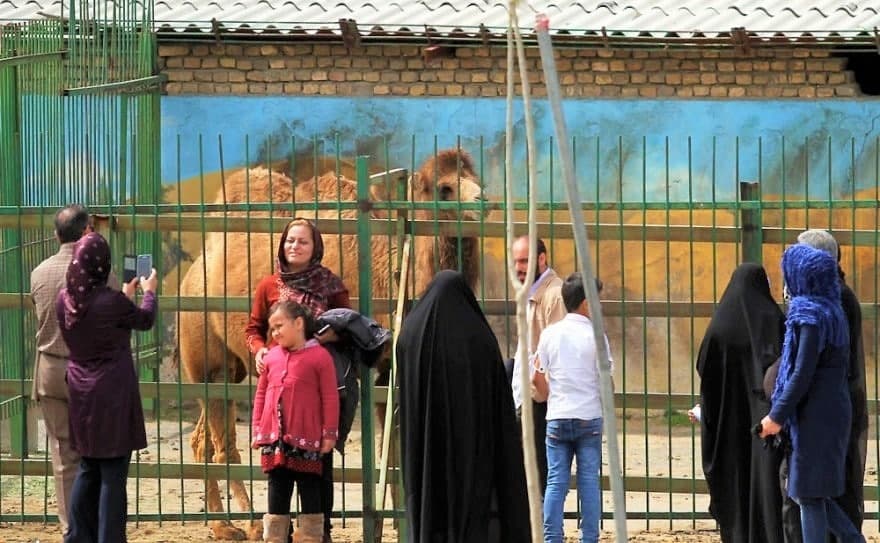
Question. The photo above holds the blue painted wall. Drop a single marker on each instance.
(630, 150)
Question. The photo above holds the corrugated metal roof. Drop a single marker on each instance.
(621, 18)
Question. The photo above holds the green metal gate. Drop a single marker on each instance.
(79, 123)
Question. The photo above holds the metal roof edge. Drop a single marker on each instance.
(377, 35)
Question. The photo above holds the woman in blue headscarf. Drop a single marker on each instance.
(811, 397)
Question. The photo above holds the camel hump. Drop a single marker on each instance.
(329, 187)
(256, 184)
(448, 162)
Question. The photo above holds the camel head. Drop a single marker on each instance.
(449, 176)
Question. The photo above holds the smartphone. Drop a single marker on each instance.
(129, 268)
(144, 265)
(136, 266)
(321, 331)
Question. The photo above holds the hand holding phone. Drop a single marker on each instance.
(129, 268)
(140, 267)
(151, 282)
(144, 266)
(138, 270)
(321, 331)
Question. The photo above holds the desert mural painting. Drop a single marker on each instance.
(649, 162)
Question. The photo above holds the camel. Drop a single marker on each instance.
(212, 347)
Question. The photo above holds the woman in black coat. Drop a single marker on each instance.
(742, 341)
(463, 472)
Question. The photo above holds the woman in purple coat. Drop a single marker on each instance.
(106, 418)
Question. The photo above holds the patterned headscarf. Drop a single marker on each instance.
(88, 270)
(316, 284)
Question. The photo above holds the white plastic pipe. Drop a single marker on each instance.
(522, 288)
(582, 243)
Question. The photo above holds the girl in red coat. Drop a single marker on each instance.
(296, 410)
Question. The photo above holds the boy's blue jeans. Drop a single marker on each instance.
(567, 438)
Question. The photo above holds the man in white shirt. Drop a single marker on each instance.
(568, 376)
(544, 308)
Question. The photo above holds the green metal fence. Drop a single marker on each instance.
(664, 262)
(79, 117)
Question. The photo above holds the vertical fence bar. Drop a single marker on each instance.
(248, 244)
(404, 262)
(668, 274)
(853, 168)
(783, 207)
(875, 323)
(365, 306)
(147, 162)
(229, 407)
(644, 310)
(806, 182)
(691, 345)
(177, 309)
(623, 285)
(830, 194)
(750, 221)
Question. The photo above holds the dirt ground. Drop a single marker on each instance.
(198, 533)
(661, 445)
(192, 533)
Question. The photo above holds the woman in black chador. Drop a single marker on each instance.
(743, 339)
(462, 460)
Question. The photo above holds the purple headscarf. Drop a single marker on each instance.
(87, 271)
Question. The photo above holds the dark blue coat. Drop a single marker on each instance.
(817, 394)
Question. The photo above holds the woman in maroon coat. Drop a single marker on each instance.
(106, 417)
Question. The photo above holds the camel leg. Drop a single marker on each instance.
(197, 439)
(215, 438)
(201, 358)
(211, 351)
(221, 421)
(223, 439)
(203, 447)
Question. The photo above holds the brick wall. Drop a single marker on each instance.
(320, 69)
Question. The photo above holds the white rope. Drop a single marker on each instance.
(391, 401)
(521, 288)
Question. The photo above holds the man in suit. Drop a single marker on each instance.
(50, 387)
